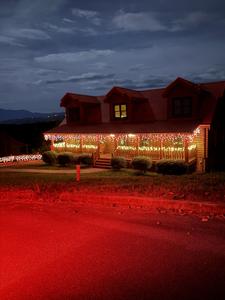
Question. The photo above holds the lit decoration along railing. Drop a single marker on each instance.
(89, 146)
(145, 148)
(17, 158)
(76, 146)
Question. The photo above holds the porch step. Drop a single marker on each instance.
(104, 163)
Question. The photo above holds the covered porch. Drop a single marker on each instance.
(157, 146)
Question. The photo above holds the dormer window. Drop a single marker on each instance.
(120, 111)
(73, 114)
(181, 107)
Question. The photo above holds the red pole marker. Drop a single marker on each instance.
(78, 172)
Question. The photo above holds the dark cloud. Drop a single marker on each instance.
(82, 78)
(50, 47)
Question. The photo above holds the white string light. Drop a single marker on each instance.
(17, 158)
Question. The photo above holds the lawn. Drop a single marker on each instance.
(38, 165)
(204, 187)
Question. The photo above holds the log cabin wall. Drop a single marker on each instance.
(201, 140)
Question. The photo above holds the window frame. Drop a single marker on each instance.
(182, 107)
(71, 113)
(120, 111)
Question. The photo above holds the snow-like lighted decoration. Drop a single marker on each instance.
(17, 158)
(150, 136)
(90, 146)
(131, 135)
(59, 145)
(127, 148)
(192, 147)
(150, 149)
(76, 146)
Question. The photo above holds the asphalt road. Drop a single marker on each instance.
(69, 252)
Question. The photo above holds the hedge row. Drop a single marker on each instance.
(143, 164)
(66, 158)
(140, 163)
(171, 167)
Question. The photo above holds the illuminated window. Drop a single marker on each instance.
(181, 107)
(120, 111)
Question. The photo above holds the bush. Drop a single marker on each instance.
(65, 158)
(191, 168)
(141, 163)
(76, 159)
(85, 159)
(49, 157)
(118, 163)
(171, 167)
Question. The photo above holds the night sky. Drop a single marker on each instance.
(50, 47)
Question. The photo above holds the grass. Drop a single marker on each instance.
(206, 187)
(39, 165)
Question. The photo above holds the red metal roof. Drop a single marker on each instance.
(124, 91)
(153, 127)
(158, 102)
(69, 99)
(179, 80)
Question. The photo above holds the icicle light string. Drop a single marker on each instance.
(173, 137)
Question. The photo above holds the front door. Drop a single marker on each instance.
(106, 148)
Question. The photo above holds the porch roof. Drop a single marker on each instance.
(111, 128)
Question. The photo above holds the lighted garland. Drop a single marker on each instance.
(172, 137)
(76, 146)
(17, 158)
(150, 149)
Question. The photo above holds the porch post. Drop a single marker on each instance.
(138, 144)
(186, 154)
(81, 143)
(160, 149)
(65, 143)
(98, 149)
(115, 144)
(51, 145)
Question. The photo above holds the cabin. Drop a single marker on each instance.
(176, 122)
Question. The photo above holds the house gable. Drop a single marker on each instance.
(81, 109)
(184, 100)
(128, 106)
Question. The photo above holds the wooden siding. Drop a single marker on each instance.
(201, 140)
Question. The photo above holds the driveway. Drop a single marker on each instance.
(74, 251)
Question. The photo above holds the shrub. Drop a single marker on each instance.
(171, 167)
(76, 159)
(118, 163)
(65, 158)
(85, 159)
(191, 167)
(141, 163)
(49, 157)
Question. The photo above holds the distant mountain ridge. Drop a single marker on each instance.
(21, 116)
